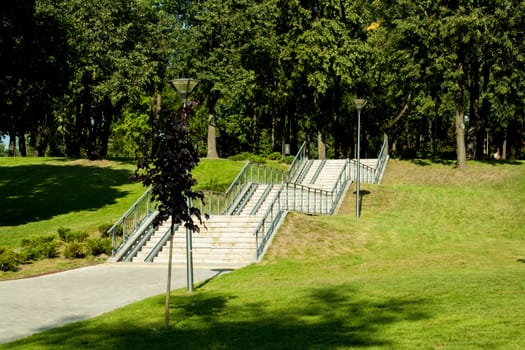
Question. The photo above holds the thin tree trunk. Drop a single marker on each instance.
(504, 146)
(212, 137)
(168, 287)
(460, 137)
(321, 146)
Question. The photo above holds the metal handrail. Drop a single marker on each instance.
(306, 199)
(267, 224)
(297, 162)
(261, 200)
(251, 172)
(158, 247)
(324, 202)
(381, 161)
(368, 173)
(131, 219)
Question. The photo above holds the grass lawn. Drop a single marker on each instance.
(40, 195)
(436, 261)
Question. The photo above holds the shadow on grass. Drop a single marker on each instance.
(321, 318)
(426, 162)
(38, 192)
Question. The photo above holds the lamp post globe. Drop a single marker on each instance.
(184, 87)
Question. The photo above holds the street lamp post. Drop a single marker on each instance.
(359, 104)
(184, 86)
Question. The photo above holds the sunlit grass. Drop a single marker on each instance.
(434, 262)
(41, 195)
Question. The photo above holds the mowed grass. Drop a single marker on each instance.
(41, 195)
(436, 261)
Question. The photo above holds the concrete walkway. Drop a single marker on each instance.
(32, 305)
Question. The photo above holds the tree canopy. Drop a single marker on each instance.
(90, 78)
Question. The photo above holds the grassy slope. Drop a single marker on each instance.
(435, 262)
(41, 195)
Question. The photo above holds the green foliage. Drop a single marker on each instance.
(254, 158)
(128, 134)
(9, 260)
(274, 156)
(287, 159)
(269, 72)
(99, 246)
(103, 229)
(38, 248)
(67, 235)
(75, 250)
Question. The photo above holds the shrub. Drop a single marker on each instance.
(257, 159)
(99, 246)
(240, 156)
(9, 260)
(75, 250)
(39, 248)
(287, 159)
(62, 231)
(67, 235)
(274, 156)
(104, 228)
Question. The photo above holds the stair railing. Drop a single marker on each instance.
(131, 220)
(382, 159)
(158, 247)
(297, 162)
(340, 186)
(367, 173)
(309, 200)
(267, 225)
(251, 173)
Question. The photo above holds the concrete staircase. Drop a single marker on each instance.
(232, 240)
(222, 240)
(322, 174)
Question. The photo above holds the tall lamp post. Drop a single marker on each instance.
(184, 87)
(359, 104)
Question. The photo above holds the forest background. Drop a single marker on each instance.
(91, 78)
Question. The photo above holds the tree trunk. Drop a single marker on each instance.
(212, 137)
(321, 146)
(168, 287)
(504, 146)
(460, 136)
(22, 145)
(12, 145)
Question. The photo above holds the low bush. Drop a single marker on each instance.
(287, 159)
(38, 248)
(240, 156)
(9, 260)
(68, 236)
(75, 250)
(99, 246)
(257, 159)
(104, 228)
(274, 156)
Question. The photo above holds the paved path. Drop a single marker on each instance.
(32, 305)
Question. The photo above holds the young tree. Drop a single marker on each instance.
(168, 172)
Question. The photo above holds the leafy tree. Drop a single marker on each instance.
(168, 171)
